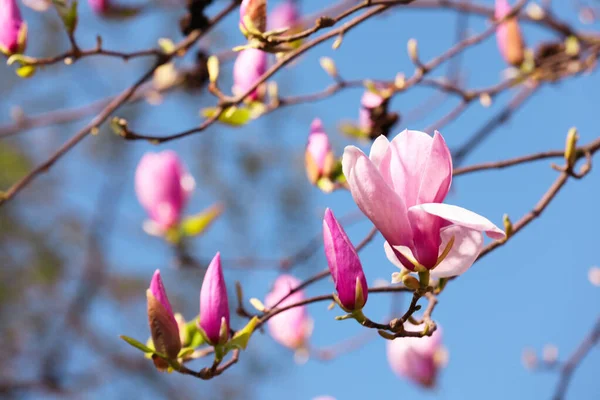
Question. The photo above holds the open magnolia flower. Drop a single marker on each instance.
(400, 188)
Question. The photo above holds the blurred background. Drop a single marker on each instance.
(75, 262)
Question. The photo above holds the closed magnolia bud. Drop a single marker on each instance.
(249, 66)
(417, 359)
(13, 30)
(285, 15)
(368, 103)
(99, 6)
(318, 158)
(163, 326)
(254, 11)
(163, 186)
(344, 265)
(292, 327)
(508, 35)
(214, 305)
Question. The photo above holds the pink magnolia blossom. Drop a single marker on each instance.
(13, 31)
(99, 6)
(293, 327)
(319, 159)
(214, 305)
(163, 326)
(344, 264)
(249, 66)
(285, 15)
(508, 35)
(163, 186)
(368, 102)
(256, 10)
(400, 188)
(418, 359)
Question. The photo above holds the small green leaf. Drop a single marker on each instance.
(353, 131)
(67, 11)
(21, 59)
(26, 71)
(213, 68)
(337, 173)
(186, 352)
(241, 337)
(137, 344)
(166, 45)
(196, 224)
(234, 116)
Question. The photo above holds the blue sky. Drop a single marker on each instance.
(529, 293)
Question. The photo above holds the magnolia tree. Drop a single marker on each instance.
(399, 179)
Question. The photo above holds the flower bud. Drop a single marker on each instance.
(368, 103)
(163, 186)
(249, 66)
(292, 327)
(163, 326)
(285, 15)
(318, 158)
(508, 35)
(99, 6)
(214, 305)
(253, 12)
(13, 30)
(344, 265)
(417, 359)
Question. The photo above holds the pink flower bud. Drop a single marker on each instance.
(344, 265)
(285, 15)
(256, 11)
(508, 35)
(249, 66)
(292, 327)
(13, 31)
(214, 305)
(368, 102)
(319, 159)
(163, 326)
(417, 359)
(99, 6)
(163, 187)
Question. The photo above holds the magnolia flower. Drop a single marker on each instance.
(249, 66)
(285, 15)
(344, 265)
(163, 326)
(293, 327)
(368, 102)
(214, 305)
(13, 31)
(318, 157)
(417, 359)
(163, 186)
(508, 35)
(256, 12)
(400, 188)
(99, 6)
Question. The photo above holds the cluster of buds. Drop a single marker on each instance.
(13, 30)
(374, 119)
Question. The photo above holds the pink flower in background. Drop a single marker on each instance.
(214, 305)
(344, 264)
(285, 15)
(400, 188)
(249, 66)
(163, 326)
(368, 102)
(293, 327)
(318, 157)
(163, 186)
(256, 10)
(508, 35)
(13, 31)
(99, 6)
(417, 359)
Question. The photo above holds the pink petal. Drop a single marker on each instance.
(426, 235)
(465, 250)
(461, 216)
(437, 176)
(378, 149)
(375, 198)
(214, 305)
